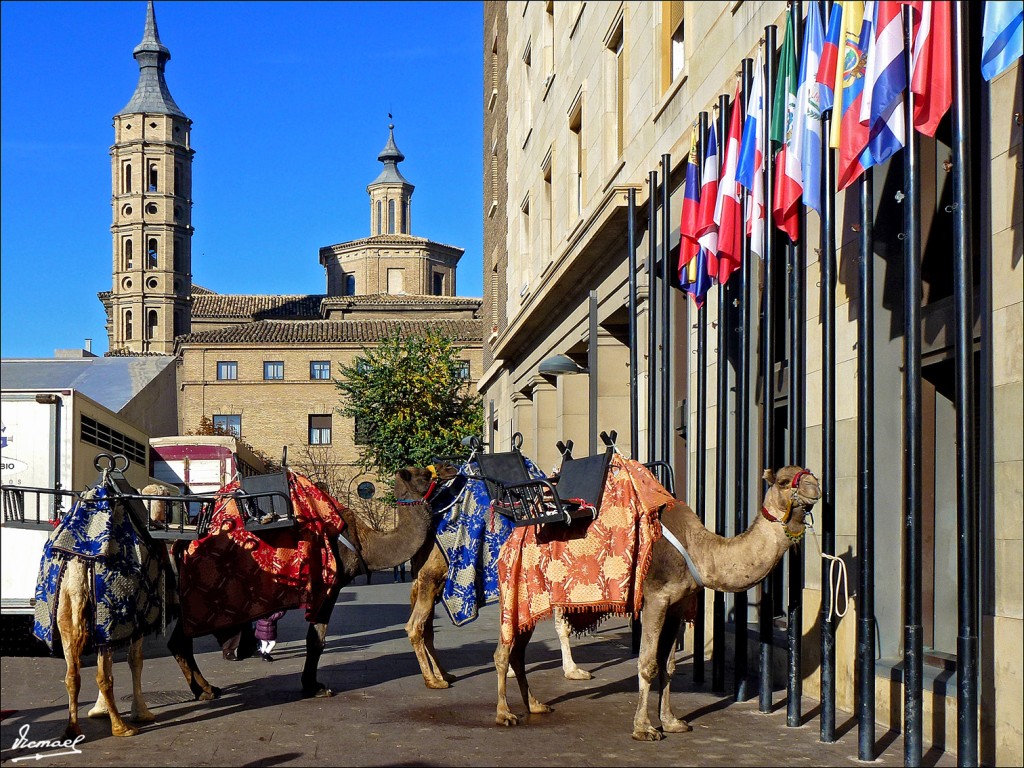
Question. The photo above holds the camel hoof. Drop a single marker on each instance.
(210, 695)
(125, 730)
(98, 711)
(506, 719)
(540, 709)
(436, 684)
(676, 726)
(143, 717)
(72, 731)
(578, 674)
(648, 734)
(321, 691)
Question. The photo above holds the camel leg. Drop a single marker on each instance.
(316, 639)
(652, 620)
(420, 627)
(71, 604)
(666, 668)
(182, 649)
(105, 682)
(569, 668)
(140, 712)
(515, 655)
(504, 715)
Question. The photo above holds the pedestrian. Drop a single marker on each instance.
(399, 572)
(266, 633)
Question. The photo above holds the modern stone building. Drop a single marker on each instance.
(581, 101)
(264, 365)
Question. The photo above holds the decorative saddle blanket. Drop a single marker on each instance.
(592, 572)
(232, 576)
(470, 536)
(127, 572)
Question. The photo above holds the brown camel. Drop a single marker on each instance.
(723, 564)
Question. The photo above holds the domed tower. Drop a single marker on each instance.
(390, 193)
(151, 166)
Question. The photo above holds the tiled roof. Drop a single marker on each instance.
(331, 332)
(392, 299)
(299, 307)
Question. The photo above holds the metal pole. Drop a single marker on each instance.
(766, 613)
(634, 426)
(721, 472)
(490, 424)
(912, 629)
(967, 473)
(701, 468)
(866, 473)
(742, 692)
(666, 307)
(827, 721)
(592, 372)
(652, 315)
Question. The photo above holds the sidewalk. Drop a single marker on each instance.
(382, 714)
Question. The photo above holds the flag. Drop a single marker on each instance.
(829, 56)
(788, 174)
(808, 110)
(849, 133)
(1002, 37)
(932, 66)
(751, 162)
(707, 229)
(729, 206)
(885, 79)
(693, 272)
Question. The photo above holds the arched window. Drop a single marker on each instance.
(151, 324)
(151, 253)
(128, 325)
(380, 220)
(407, 218)
(177, 181)
(177, 256)
(128, 256)
(391, 217)
(127, 177)
(152, 177)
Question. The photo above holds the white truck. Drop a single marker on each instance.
(50, 439)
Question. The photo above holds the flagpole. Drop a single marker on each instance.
(967, 519)
(666, 307)
(743, 420)
(721, 446)
(827, 250)
(795, 257)
(652, 314)
(701, 468)
(912, 545)
(634, 426)
(766, 612)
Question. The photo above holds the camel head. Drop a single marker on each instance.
(791, 493)
(420, 483)
(159, 511)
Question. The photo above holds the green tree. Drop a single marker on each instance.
(411, 400)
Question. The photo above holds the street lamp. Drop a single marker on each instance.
(559, 365)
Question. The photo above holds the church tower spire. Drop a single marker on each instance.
(151, 164)
(390, 193)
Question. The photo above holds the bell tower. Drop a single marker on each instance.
(390, 193)
(151, 170)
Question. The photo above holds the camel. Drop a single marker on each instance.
(723, 564)
(76, 597)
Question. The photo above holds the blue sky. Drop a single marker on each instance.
(289, 103)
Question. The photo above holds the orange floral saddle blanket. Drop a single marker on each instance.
(589, 569)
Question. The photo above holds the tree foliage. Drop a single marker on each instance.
(410, 401)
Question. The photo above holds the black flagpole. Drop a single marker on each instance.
(967, 519)
(666, 311)
(634, 426)
(652, 315)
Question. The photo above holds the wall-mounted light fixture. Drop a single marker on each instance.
(559, 365)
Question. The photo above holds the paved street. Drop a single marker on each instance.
(384, 715)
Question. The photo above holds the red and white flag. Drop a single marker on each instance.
(707, 229)
(931, 59)
(729, 207)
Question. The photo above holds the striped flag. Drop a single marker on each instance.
(693, 270)
(808, 109)
(885, 79)
(751, 162)
(850, 135)
(707, 229)
(1002, 37)
(784, 132)
(829, 56)
(729, 206)
(932, 79)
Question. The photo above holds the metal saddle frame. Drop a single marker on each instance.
(264, 502)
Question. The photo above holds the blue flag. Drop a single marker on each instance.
(1003, 38)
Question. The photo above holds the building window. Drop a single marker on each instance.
(177, 181)
(99, 434)
(549, 215)
(576, 158)
(549, 38)
(127, 183)
(179, 323)
(396, 281)
(320, 370)
(129, 261)
(391, 217)
(672, 48)
(438, 285)
(527, 108)
(618, 107)
(228, 422)
(151, 324)
(494, 175)
(525, 235)
(227, 370)
(178, 266)
(152, 177)
(360, 432)
(407, 218)
(128, 325)
(273, 369)
(462, 372)
(151, 259)
(350, 285)
(320, 430)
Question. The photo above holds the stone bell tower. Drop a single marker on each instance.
(151, 170)
(390, 193)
